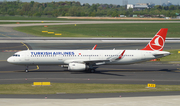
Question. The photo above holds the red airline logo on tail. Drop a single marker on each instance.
(157, 43)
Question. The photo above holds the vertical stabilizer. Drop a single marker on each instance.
(157, 42)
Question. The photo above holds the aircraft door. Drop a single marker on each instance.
(26, 57)
(60, 58)
(101, 56)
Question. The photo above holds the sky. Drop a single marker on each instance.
(117, 2)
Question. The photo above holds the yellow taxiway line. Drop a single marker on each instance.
(20, 70)
(4, 35)
(25, 45)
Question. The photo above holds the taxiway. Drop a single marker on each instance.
(149, 72)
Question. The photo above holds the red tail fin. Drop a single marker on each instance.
(94, 47)
(157, 43)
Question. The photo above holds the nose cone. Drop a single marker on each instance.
(10, 60)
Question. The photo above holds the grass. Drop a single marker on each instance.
(104, 30)
(82, 88)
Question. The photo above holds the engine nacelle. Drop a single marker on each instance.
(77, 67)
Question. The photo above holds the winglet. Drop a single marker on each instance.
(122, 54)
(157, 42)
(94, 47)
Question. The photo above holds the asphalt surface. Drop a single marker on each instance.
(88, 96)
(8, 32)
(11, 39)
(132, 74)
(143, 73)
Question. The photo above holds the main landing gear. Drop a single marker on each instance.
(90, 70)
(26, 70)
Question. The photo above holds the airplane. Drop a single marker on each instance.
(84, 60)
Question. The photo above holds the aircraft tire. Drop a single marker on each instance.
(26, 70)
(92, 71)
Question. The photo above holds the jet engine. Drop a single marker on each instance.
(77, 67)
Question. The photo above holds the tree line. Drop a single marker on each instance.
(73, 8)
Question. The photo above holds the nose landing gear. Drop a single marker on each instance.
(26, 70)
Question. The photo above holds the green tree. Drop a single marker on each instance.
(55, 15)
(72, 8)
(37, 14)
(26, 7)
(109, 13)
(48, 10)
(172, 7)
(114, 14)
(63, 13)
(31, 3)
(94, 7)
(11, 13)
(30, 14)
(83, 14)
(72, 11)
(92, 14)
(66, 14)
(18, 1)
(34, 9)
(87, 5)
(21, 13)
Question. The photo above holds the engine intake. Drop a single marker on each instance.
(77, 67)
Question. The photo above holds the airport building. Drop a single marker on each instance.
(140, 6)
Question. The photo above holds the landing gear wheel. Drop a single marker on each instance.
(92, 71)
(26, 70)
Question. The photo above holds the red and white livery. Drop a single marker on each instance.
(157, 43)
(78, 60)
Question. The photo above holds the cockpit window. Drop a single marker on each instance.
(16, 55)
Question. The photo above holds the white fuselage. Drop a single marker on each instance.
(86, 59)
(64, 57)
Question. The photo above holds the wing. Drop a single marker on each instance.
(97, 62)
